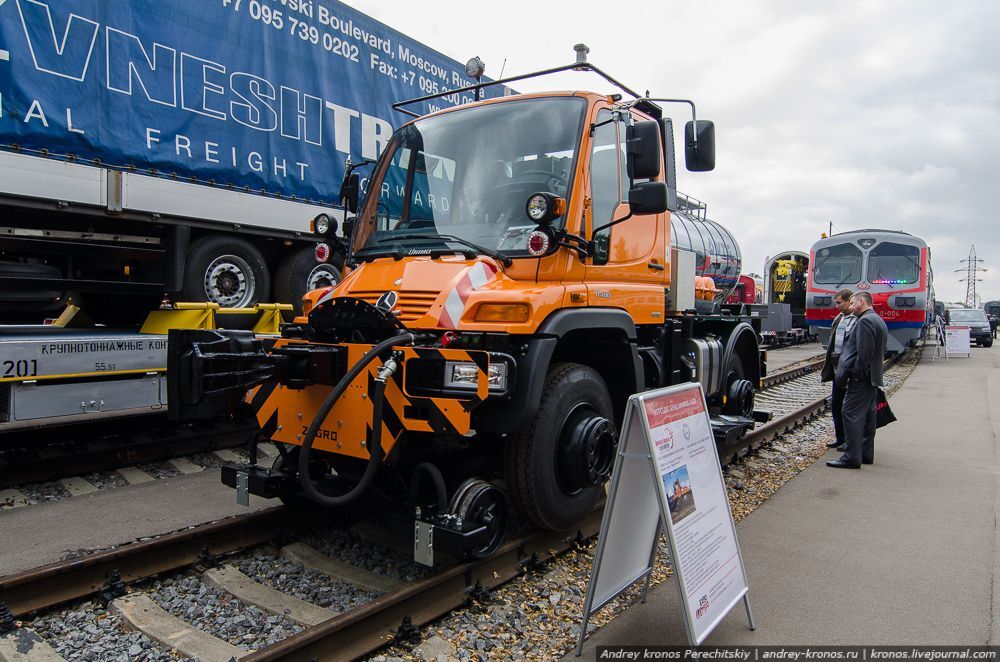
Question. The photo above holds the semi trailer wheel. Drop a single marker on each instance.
(556, 468)
(299, 273)
(30, 306)
(228, 271)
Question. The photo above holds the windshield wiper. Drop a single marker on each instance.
(497, 255)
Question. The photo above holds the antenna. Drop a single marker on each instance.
(972, 270)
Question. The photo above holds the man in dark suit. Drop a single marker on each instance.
(839, 330)
(860, 372)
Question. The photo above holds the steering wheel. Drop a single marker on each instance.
(550, 177)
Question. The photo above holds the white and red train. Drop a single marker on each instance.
(895, 267)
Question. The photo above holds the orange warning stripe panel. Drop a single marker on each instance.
(285, 414)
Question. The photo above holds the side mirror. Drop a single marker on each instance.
(648, 198)
(643, 150)
(349, 192)
(700, 156)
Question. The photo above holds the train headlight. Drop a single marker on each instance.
(823, 301)
(463, 374)
(906, 302)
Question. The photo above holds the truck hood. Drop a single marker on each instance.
(431, 292)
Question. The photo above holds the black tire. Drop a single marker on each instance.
(531, 457)
(119, 310)
(299, 273)
(988, 343)
(41, 298)
(226, 270)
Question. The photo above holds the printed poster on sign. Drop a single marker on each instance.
(957, 340)
(700, 528)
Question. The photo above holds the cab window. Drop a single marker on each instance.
(607, 174)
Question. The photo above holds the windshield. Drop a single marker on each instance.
(837, 265)
(894, 264)
(468, 175)
(971, 315)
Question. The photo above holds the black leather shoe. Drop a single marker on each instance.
(867, 461)
(834, 444)
(841, 464)
(841, 448)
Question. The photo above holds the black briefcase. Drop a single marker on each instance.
(883, 413)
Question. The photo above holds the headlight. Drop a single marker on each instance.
(543, 207)
(322, 224)
(462, 374)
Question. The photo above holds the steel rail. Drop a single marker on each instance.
(788, 374)
(364, 630)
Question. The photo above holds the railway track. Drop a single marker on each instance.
(131, 443)
(395, 614)
(390, 617)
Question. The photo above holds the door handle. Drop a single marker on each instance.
(656, 265)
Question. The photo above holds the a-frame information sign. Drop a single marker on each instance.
(667, 474)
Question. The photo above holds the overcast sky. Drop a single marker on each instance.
(879, 114)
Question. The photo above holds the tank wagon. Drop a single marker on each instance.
(717, 255)
(894, 266)
(511, 282)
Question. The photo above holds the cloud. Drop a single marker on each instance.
(879, 113)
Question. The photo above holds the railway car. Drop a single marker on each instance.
(785, 282)
(992, 308)
(894, 266)
(745, 292)
(717, 255)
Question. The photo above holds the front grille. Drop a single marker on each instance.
(412, 304)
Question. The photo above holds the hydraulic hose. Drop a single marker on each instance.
(375, 447)
(439, 487)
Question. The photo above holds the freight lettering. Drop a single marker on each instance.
(84, 346)
(261, 96)
(157, 73)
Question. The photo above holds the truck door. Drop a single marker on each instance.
(628, 269)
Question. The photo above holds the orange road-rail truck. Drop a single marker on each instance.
(511, 283)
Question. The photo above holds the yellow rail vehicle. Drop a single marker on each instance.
(511, 283)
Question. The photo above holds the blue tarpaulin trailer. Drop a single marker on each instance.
(183, 147)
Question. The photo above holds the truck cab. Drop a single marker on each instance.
(511, 283)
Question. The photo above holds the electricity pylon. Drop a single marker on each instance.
(971, 270)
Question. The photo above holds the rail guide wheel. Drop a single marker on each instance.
(480, 502)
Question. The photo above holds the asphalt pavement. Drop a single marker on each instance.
(904, 551)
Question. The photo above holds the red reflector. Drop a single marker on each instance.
(538, 243)
(322, 252)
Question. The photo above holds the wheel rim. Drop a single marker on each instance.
(585, 452)
(321, 276)
(482, 503)
(229, 282)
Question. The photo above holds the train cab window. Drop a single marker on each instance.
(890, 263)
(838, 265)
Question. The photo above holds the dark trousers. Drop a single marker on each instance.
(859, 421)
(837, 411)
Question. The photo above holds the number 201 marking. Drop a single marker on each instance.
(22, 368)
